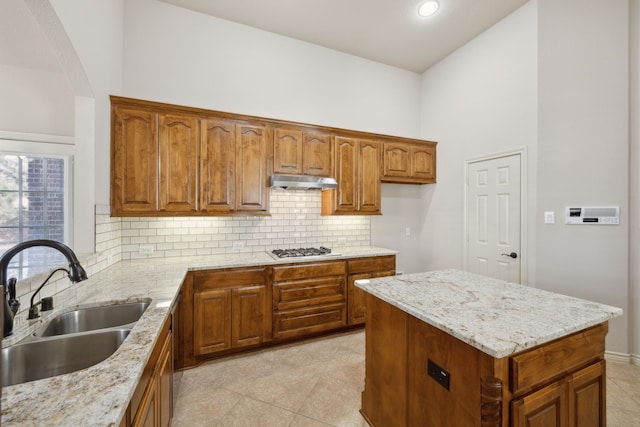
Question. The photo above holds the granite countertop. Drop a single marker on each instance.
(99, 395)
(494, 316)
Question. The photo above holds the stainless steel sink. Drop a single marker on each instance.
(48, 357)
(90, 319)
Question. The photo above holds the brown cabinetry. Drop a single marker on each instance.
(308, 298)
(303, 151)
(234, 167)
(152, 404)
(230, 310)
(560, 383)
(357, 167)
(134, 161)
(365, 268)
(165, 161)
(409, 162)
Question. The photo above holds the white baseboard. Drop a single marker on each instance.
(613, 356)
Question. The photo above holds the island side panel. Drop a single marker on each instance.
(384, 399)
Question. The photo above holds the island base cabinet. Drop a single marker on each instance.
(419, 375)
(574, 401)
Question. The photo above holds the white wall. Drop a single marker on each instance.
(583, 151)
(478, 101)
(35, 101)
(178, 56)
(634, 175)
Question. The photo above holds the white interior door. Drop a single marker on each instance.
(493, 217)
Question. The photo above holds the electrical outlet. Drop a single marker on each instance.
(146, 249)
(342, 240)
(237, 244)
(441, 376)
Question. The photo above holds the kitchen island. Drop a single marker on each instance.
(449, 348)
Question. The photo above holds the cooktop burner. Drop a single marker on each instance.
(287, 253)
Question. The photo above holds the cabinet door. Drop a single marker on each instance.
(164, 378)
(317, 154)
(217, 163)
(252, 151)
(248, 316)
(356, 297)
(546, 407)
(587, 397)
(211, 321)
(287, 151)
(369, 177)
(134, 161)
(396, 160)
(346, 195)
(147, 415)
(423, 162)
(178, 163)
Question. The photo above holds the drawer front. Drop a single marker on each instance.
(369, 265)
(304, 293)
(228, 278)
(299, 272)
(559, 357)
(304, 321)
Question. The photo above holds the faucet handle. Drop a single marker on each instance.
(11, 287)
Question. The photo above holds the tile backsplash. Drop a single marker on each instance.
(295, 221)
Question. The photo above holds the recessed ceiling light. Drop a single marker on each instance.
(428, 8)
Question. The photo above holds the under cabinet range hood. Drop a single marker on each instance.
(303, 182)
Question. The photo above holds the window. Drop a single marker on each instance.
(33, 191)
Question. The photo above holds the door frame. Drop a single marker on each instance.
(522, 153)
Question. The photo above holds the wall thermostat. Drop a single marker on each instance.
(609, 215)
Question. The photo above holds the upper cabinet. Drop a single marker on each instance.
(134, 161)
(302, 151)
(178, 160)
(409, 162)
(358, 174)
(234, 167)
(170, 160)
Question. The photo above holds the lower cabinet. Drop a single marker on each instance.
(365, 268)
(151, 404)
(308, 298)
(418, 375)
(576, 400)
(229, 310)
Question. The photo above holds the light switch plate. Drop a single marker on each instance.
(549, 218)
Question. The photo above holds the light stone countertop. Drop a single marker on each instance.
(99, 395)
(494, 316)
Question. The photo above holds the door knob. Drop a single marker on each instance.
(512, 255)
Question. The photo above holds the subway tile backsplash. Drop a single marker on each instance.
(295, 221)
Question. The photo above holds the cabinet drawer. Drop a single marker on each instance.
(321, 269)
(369, 265)
(304, 293)
(303, 321)
(545, 362)
(228, 279)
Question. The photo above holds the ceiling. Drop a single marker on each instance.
(386, 31)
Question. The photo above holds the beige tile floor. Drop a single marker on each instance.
(318, 383)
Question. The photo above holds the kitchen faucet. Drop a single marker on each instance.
(76, 272)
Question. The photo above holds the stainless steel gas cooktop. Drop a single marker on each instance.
(302, 252)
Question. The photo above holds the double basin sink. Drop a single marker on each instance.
(70, 342)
